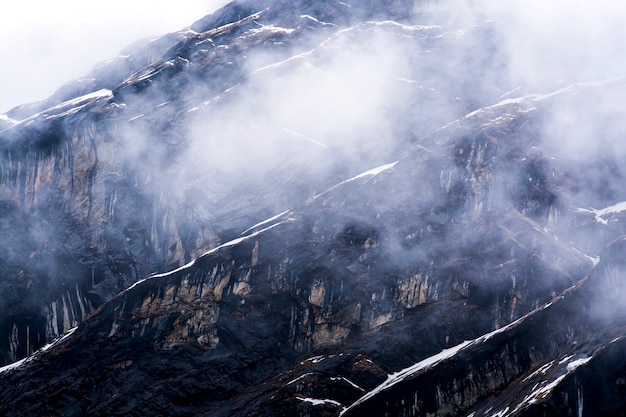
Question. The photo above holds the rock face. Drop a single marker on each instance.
(424, 262)
(141, 166)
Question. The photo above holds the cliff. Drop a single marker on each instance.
(423, 262)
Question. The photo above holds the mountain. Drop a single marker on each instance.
(318, 209)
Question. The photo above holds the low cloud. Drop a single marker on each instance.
(46, 44)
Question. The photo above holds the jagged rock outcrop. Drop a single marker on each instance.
(456, 263)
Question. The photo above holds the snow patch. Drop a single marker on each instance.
(135, 118)
(68, 107)
(299, 378)
(315, 401)
(271, 29)
(314, 359)
(600, 214)
(410, 28)
(565, 359)
(445, 354)
(210, 252)
(309, 17)
(577, 363)
(367, 174)
(595, 260)
(7, 119)
(501, 413)
(271, 219)
(541, 370)
(532, 98)
(341, 378)
(543, 388)
(300, 135)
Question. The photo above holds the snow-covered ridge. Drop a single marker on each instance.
(68, 107)
(6, 119)
(367, 175)
(408, 28)
(266, 221)
(526, 102)
(445, 354)
(320, 402)
(211, 252)
(600, 214)
(45, 348)
(544, 387)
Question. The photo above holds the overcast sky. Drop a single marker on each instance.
(44, 43)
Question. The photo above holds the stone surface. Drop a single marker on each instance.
(451, 266)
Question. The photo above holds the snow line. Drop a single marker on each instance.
(211, 252)
(601, 213)
(370, 173)
(271, 219)
(27, 359)
(431, 361)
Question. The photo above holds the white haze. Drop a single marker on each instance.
(356, 97)
(45, 44)
(345, 105)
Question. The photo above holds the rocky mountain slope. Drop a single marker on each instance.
(315, 209)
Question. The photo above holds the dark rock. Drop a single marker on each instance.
(472, 276)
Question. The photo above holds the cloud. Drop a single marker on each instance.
(356, 101)
(560, 41)
(46, 44)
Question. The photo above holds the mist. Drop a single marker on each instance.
(358, 97)
(251, 123)
(47, 44)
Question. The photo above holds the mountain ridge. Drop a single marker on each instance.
(470, 276)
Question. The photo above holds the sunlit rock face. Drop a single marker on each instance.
(442, 246)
